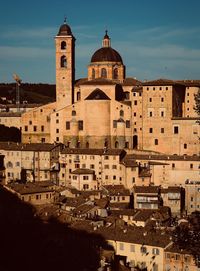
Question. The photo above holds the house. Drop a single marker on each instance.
(146, 197)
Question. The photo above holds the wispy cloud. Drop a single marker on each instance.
(9, 52)
(40, 32)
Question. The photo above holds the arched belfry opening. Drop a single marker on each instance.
(135, 142)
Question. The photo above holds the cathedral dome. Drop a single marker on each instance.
(64, 30)
(106, 54)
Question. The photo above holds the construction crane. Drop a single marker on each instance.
(18, 83)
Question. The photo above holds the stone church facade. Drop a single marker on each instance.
(109, 110)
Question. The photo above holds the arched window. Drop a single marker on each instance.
(121, 113)
(103, 73)
(87, 145)
(63, 62)
(116, 144)
(73, 113)
(9, 165)
(115, 73)
(78, 96)
(93, 73)
(63, 45)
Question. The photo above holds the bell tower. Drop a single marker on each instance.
(65, 66)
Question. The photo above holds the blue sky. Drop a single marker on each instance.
(156, 39)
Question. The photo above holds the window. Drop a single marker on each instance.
(93, 73)
(114, 177)
(192, 199)
(106, 157)
(150, 130)
(85, 186)
(80, 125)
(85, 177)
(57, 121)
(63, 62)
(114, 123)
(92, 166)
(26, 128)
(42, 128)
(160, 88)
(34, 128)
(67, 125)
(135, 102)
(103, 73)
(57, 131)
(121, 246)
(132, 248)
(150, 100)
(87, 145)
(43, 139)
(57, 139)
(162, 113)
(73, 113)
(185, 146)
(116, 144)
(150, 114)
(121, 113)
(115, 73)
(78, 96)
(173, 165)
(17, 164)
(155, 251)
(30, 122)
(114, 166)
(126, 145)
(143, 249)
(133, 180)
(134, 114)
(191, 166)
(176, 130)
(106, 166)
(128, 124)
(63, 45)
(166, 88)
(156, 141)
(162, 130)
(162, 99)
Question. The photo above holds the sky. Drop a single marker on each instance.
(155, 38)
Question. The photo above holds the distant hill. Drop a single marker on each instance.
(32, 93)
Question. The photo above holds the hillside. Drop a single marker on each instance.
(32, 93)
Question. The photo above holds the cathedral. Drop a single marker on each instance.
(109, 110)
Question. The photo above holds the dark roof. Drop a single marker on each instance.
(97, 94)
(161, 157)
(79, 81)
(64, 30)
(10, 114)
(93, 151)
(80, 171)
(161, 82)
(30, 188)
(146, 189)
(190, 83)
(27, 147)
(98, 81)
(129, 81)
(106, 54)
(113, 190)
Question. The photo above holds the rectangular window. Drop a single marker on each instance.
(162, 130)
(135, 102)
(121, 246)
(132, 248)
(57, 121)
(150, 100)
(67, 125)
(155, 251)
(26, 128)
(85, 177)
(114, 166)
(191, 166)
(134, 114)
(128, 124)
(143, 249)
(30, 122)
(106, 166)
(156, 142)
(114, 123)
(162, 99)
(150, 130)
(133, 180)
(185, 146)
(42, 128)
(34, 128)
(92, 166)
(173, 165)
(80, 125)
(176, 129)
(57, 131)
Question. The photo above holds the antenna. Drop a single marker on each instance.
(18, 83)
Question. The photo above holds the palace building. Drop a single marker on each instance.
(109, 110)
